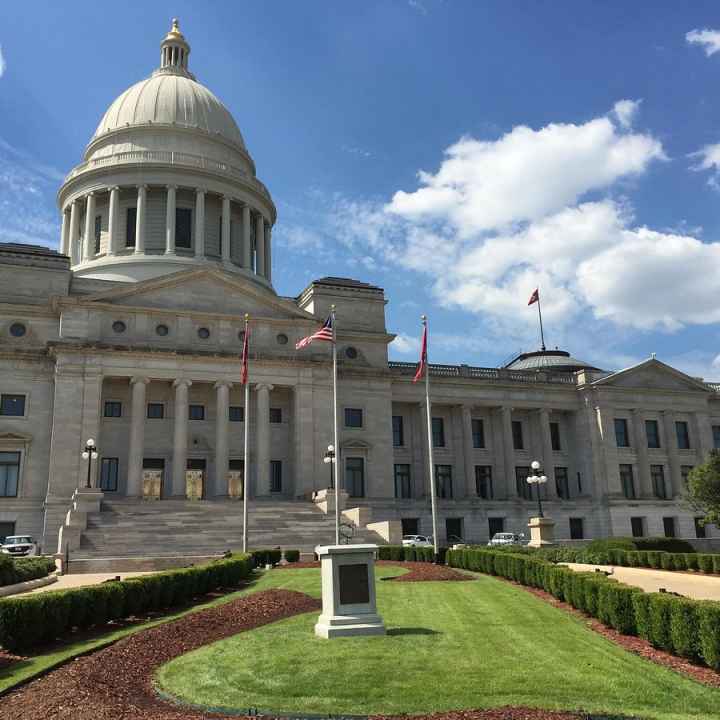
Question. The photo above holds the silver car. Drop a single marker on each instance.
(506, 538)
(417, 541)
(19, 545)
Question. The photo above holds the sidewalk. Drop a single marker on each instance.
(694, 585)
(82, 580)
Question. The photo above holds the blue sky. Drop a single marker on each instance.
(457, 153)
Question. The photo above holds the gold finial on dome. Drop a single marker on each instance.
(174, 51)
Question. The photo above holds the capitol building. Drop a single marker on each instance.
(131, 334)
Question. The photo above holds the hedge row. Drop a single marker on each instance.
(689, 628)
(408, 554)
(30, 620)
(17, 570)
(263, 557)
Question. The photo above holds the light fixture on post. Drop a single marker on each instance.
(329, 459)
(89, 454)
(537, 479)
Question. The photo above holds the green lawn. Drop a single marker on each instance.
(450, 646)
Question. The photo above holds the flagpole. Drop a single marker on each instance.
(335, 428)
(246, 445)
(542, 336)
(428, 412)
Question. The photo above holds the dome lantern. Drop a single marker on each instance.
(174, 52)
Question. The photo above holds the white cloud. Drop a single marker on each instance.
(708, 39)
(405, 345)
(3, 64)
(625, 112)
(419, 6)
(709, 156)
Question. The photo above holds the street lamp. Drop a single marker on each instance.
(89, 454)
(537, 479)
(329, 459)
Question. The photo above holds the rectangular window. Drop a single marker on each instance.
(495, 525)
(438, 432)
(478, 433)
(276, 415)
(517, 433)
(12, 405)
(562, 483)
(716, 436)
(353, 417)
(98, 230)
(153, 463)
(9, 473)
(183, 228)
(627, 482)
(657, 475)
(684, 472)
(555, 436)
(443, 481)
(155, 411)
(683, 436)
(275, 476)
(355, 476)
(652, 431)
(700, 531)
(637, 526)
(483, 481)
(196, 412)
(669, 526)
(113, 409)
(398, 431)
(410, 526)
(621, 433)
(454, 531)
(402, 481)
(523, 487)
(577, 531)
(109, 474)
(131, 217)
(579, 483)
(236, 413)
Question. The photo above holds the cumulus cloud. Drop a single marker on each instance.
(3, 64)
(625, 112)
(405, 345)
(709, 159)
(708, 39)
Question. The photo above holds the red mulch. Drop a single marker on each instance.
(7, 659)
(419, 571)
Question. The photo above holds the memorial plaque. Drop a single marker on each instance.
(354, 584)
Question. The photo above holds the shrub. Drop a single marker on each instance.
(716, 563)
(641, 608)
(709, 632)
(17, 570)
(705, 562)
(292, 556)
(266, 557)
(684, 633)
(615, 606)
(680, 561)
(613, 543)
(653, 557)
(667, 561)
(674, 545)
(691, 561)
(642, 558)
(659, 629)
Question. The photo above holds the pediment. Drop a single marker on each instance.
(14, 437)
(653, 375)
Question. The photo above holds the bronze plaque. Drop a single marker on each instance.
(354, 585)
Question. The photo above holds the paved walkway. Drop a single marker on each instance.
(698, 586)
(83, 579)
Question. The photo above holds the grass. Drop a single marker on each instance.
(450, 646)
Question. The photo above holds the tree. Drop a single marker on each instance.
(702, 492)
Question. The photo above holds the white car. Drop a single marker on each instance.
(505, 538)
(19, 545)
(417, 541)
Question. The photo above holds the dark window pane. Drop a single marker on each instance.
(684, 472)
(657, 475)
(438, 432)
(637, 526)
(109, 474)
(653, 433)
(478, 433)
(555, 436)
(183, 228)
(683, 436)
(355, 477)
(131, 216)
(669, 526)
(699, 528)
(12, 405)
(495, 525)
(275, 415)
(398, 431)
(627, 482)
(483, 481)
(410, 526)
(517, 433)
(577, 531)
(402, 481)
(353, 417)
(621, 433)
(523, 487)
(113, 409)
(275, 476)
(716, 436)
(443, 481)
(9, 473)
(155, 411)
(236, 413)
(561, 483)
(454, 529)
(196, 412)
(98, 230)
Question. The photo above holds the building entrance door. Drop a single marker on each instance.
(195, 478)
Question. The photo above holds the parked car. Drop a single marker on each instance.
(19, 545)
(417, 541)
(505, 538)
(455, 542)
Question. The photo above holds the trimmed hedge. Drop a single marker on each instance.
(261, 558)
(17, 570)
(401, 553)
(685, 627)
(292, 556)
(29, 620)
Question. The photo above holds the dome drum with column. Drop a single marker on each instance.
(166, 183)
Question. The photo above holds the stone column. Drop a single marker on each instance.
(508, 452)
(246, 242)
(674, 482)
(180, 436)
(641, 454)
(225, 240)
(605, 424)
(89, 227)
(701, 439)
(140, 220)
(64, 233)
(200, 223)
(170, 220)
(137, 436)
(260, 245)
(467, 437)
(222, 405)
(262, 424)
(74, 230)
(304, 456)
(113, 236)
(268, 252)
(548, 460)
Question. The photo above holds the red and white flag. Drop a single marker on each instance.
(422, 367)
(535, 297)
(244, 374)
(324, 333)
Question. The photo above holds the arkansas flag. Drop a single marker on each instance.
(244, 375)
(423, 358)
(535, 297)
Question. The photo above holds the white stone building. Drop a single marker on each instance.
(131, 335)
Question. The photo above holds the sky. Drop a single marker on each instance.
(457, 153)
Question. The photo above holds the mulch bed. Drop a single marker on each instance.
(419, 571)
(7, 659)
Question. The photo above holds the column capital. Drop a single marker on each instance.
(139, 379)
(264, 386)
(90, 194)
(171, 186)
(182, 381)
(200, 190)
(115, 188)
(142, 187)
(223, 383)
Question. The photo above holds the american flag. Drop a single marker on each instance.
(244, 376)
(422, 367)
(324, 333)
(535, 297)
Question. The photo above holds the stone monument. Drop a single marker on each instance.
(542, 532)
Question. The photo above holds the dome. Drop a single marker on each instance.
(548, 360)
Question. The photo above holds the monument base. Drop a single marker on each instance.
(349, 626)
(542, 532)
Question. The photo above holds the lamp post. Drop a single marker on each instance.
(329, 459)
(88, 454)
(537, 479)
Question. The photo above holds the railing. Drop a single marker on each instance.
(715, 387)
(482, 373)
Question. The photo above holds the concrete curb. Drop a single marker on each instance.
(27, 586)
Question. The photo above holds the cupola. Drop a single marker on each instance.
(174, 52)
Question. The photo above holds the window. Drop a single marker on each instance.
(355, 476)
(153, 463)
(402, 481)
(561, 483)
(155, 411)
(410, 526)
(669, 526)
(282, 339)
(353, 417)
(98, 229)
(275, 415)
(131, 216)
(162, 330)
(398, 431)
(119, 327)
(183, 228)
(196, 412)
(716, 436)
(637, 526)
(438, 432)
(683, 436)
(275, 476)
(517, 434)
(113, 409)
(652, 431)
(351, 353)
(495, 525)
(700, 531)
(483, 481)
(12, 405)
(523, 487)
(109, 474)
(203, 333)
(443, 481)
(657, 475)
(577, 531)
(9, 473)
(6, 529)
(627, 482)
(684, 472)
(579, 483)
(18, 329)
(478, 433)
(196, 464)
(236, 413)
(555, 436)
(454, 529)
(621, 432)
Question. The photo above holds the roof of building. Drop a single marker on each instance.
(27, 248)
(558, 360)
(345, 282)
